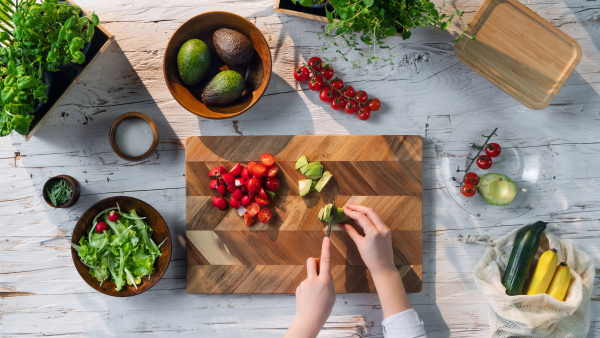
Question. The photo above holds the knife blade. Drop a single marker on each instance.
(330, 223)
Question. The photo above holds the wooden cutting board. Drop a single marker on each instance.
(225, 256)
(519, 51)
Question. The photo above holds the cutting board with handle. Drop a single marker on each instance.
(226, 256)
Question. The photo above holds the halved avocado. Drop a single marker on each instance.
(497, 189)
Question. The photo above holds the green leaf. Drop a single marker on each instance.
(444, 25)
(95, 20)
(76, 44)
(368, 3)
(78, 57)
(21, 123)
(329, 15)
(306, 3)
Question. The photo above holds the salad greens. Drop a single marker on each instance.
(124, 253)
(59, 192)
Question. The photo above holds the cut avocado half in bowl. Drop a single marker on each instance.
(497, 189)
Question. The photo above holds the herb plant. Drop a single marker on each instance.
(307, 3)
(59, 192)
(372, 22)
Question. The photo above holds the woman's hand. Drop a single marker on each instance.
(315, 296)
(376, 246)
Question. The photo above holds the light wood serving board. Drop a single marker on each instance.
(225, 256)
(519, 51)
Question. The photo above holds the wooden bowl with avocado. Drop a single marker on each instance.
(224, 73)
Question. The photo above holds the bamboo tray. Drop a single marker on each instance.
(519, 51)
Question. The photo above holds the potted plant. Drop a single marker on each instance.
(372, 22)
(312, 3)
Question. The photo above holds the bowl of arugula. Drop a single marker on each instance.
(121, 246)
(61, 191)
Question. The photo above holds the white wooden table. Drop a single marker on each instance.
(428, 92)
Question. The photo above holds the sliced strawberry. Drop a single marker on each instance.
(248, 220)
(229, 178)
(221, 189)
(236, 170)
(217, 171)
(237, 194)
(239, 182)
(234, 203)
(213, 184)
(245, 200)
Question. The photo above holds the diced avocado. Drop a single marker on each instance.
(313, 185)
(338, 214)
(323, 181)
(225, 88)
(302, 161)
(304, 186)
(314, 173)
(496, 189)
(315, 164)
(327, 212)
(270, 194)
(193, 61)
(304, 169)
(321, 213)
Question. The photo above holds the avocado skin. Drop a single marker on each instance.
(483, 188)
(233, 47)
(193, 61)
(225, 88)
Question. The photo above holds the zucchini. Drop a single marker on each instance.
(524, 248)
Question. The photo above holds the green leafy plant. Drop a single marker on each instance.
(309, 2)
(59, 192)
(372, 22)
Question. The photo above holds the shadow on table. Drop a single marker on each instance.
(586, 17)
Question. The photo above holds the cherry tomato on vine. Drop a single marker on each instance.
(468, 190)
(315, 83)
(361, 96)
(471, 178)
(374, 104)
(337, 103)
(351, 107)
(326, 94)
(267, 159)
(493, 149)
(337, 83)
(301, 74)
(316, 63)
(364, 113)
(348, 91)
(484, 162)
(327, 72)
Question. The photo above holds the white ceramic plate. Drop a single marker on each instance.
(526, 158)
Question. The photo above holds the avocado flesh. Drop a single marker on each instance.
(302, 161)
(225, 88)
(304, 186)
(233, 47)
(193, 61)
(337, 214)
(497, 189)
(314, 173)
(323, 181)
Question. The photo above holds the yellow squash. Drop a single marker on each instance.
(543, 273)
(560, 282)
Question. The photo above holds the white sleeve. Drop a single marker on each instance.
(405, 324)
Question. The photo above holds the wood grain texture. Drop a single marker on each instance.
(519, 51)
(257, 73)
(226, 256)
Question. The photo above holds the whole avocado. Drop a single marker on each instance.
(193, 61)
(225, 88)
(233, 47)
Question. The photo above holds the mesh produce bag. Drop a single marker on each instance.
(539, 315)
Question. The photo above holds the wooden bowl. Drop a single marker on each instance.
(156, 222)
(74, 186)
(113, 129)
(257, 72)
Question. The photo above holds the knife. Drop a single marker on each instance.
(333, 211)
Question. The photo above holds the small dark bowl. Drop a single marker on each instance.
(257, 73)
(74, 186)
(156, 222)
(120, 119)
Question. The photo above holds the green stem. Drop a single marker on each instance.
(476, 156)
(315, 72)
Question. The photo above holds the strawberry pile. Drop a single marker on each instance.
(251, 186)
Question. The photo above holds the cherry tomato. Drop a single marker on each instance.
(374, 104)
(267, 159)
(316, 63)
(259, 170)
(337, 83)
(361, 96)
(219, 202)
(351, 107)
(250, 165)
(364, 113)
(253, 184)
(272, 171)
(327, 72)
(248, 220)
(484, 162)
(468, 190)
(471, 178)
(348, 91)
(326, 94)
(315, 83)
(252, 209)
(493, 149)
(261, 201)
(265, 215)
(102, 226)
(272, 183)
(337, 103)
(301, 74)
(262, 193)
